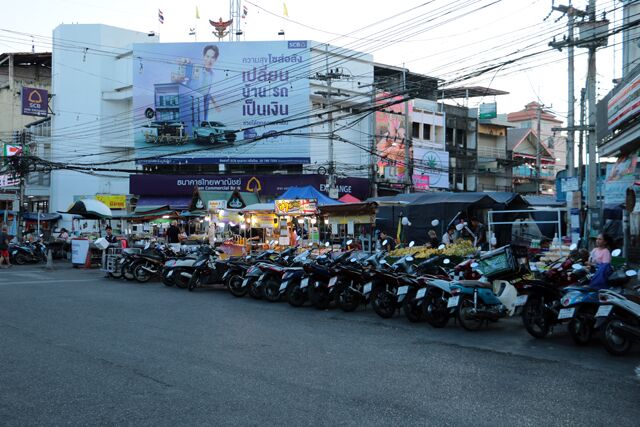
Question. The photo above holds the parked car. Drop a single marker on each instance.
(214, 132)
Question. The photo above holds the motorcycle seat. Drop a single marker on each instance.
(475, 284)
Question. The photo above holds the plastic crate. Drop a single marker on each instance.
(500, 263)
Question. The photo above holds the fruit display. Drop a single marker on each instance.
(461, 248)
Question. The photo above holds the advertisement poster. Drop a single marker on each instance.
(431, 163)
(620, 176)
(390, 137)
(232, 103)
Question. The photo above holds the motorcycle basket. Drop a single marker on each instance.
(500, 263)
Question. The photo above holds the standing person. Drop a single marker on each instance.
(450, 236)
(110, 237)
(64, 234)
(432, 239)
(601, 253)
(479, 230)
(173, 233)
(391, 243)
(202, 78)
(4, 247)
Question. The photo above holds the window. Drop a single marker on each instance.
(426, 131)
(415, 131)
(449, 135)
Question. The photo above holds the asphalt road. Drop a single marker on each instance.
(79, 349)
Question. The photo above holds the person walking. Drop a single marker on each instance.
(173, 233)
(4, 248)
(110, 237)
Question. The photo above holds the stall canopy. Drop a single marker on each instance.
(89, 209)
(348, 198)
(308, 193)
(33, 216)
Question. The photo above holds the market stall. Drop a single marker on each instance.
(350, 221)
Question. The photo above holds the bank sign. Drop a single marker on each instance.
(188, 97)
(35, 102)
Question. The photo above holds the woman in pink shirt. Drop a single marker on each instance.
(600, 254)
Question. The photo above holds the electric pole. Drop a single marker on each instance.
(408, 136)
(538, 148)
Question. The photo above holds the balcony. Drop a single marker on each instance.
(492, 153)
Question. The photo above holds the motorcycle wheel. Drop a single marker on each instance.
(411, 310)
(235, 286)
(348, 300)
(194, 281)
(318, 298)
(141, 274)
(382, 303)
(467, 319)
(117, 269)
(581, 327)
(435, 310)
(127, 270)
(534, 319)
(296, 296)
(168, 280)
(180, 281)
(20, 259)
(615, 344)
(254, 292)
(272, 290)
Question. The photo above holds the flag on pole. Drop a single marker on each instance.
(286, 12)
(197, 13)
(160, 16)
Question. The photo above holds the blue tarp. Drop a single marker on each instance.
(33, 216)
(308, 192)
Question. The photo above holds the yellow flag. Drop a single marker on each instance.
(197, 13)
(286, 12)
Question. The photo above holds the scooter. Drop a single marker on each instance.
(619, 319)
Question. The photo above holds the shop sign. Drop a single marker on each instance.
(421, 182)
(35, 102)
(113, 201)
(295, 207)
(216, 205)
(620, 176)
(8, 181)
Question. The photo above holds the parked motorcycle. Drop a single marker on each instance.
(619, 319)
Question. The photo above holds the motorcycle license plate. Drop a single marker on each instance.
(333, 281)
(566, 313)
(402, 290)
(604, 310)
(453, 301)
(367, 288)
(283, 286)
(521, 300)
(304, 283)
(245, 282)
(421, 293)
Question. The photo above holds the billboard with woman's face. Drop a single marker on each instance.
(228, 102)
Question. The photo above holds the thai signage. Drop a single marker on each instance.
(231, 103)
(624, 105)
(488, 111)
(271, 185)
(620, 176)
(433, 164)
(216, 205)
(114, 201)
(35, 102)
(8, 181)
(295, 207)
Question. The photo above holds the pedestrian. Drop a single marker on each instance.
(391, 243)
(64, 234)
(173, 233)
(601, 253)
(110, 237)
(4, 248)
(449, 236)
(479, 230)
(432, 239)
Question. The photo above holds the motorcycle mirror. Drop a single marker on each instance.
(409, 258)
(573, 247)
(534, 267)
(286, 257)
(147, 245)
(577, 266)
(447, 261)
(442, 246)
(384, 243)
(248, 257)
(616, 252)
(459, 227)
(349, 242)
(383, 261)
(310, 244)
(327, 244)
(353, 260)
(435, 223)
(474, 265)
(631, 273)
(411, 243)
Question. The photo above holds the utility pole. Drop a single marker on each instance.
(408, 136)
(328, 77)
(373, 158)
(538, 148)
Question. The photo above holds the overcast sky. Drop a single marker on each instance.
(442, 38)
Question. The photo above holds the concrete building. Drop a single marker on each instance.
(494, 156)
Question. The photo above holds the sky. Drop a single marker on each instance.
(447, 39)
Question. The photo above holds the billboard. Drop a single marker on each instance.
(431, 167)
(35, 102)
(232, 103)
(390, 138)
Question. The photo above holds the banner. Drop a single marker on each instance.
(391, 135)
(295, 207)
(431, 163)
(113, 201)
(35, 102)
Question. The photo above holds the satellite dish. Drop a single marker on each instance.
(435, 223)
